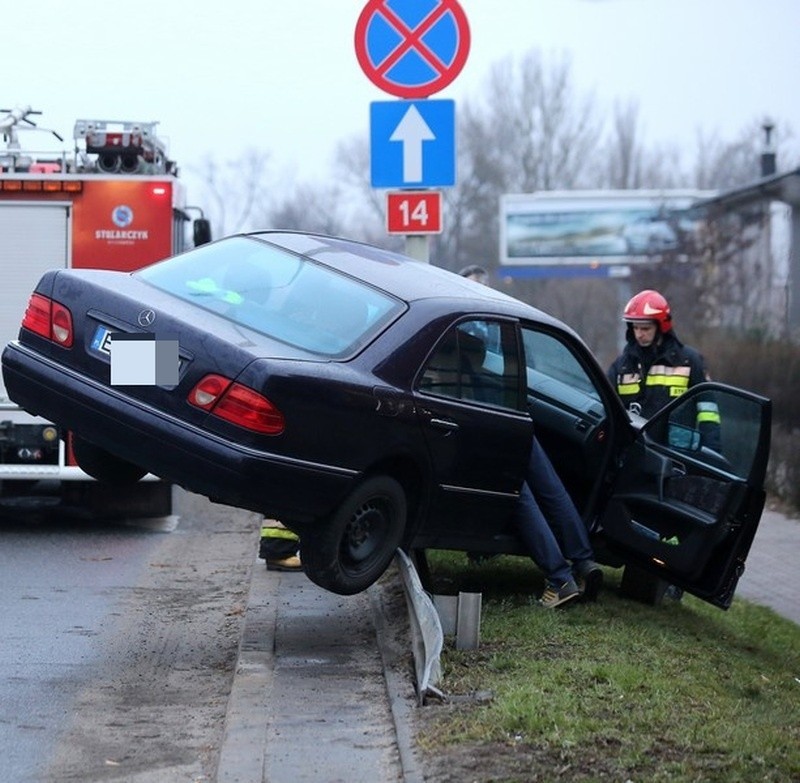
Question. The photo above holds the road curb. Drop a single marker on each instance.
(244, 744)
(322, 687)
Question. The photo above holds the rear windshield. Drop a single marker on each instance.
(284, 296)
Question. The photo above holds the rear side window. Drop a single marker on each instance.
(281, 295)
(476, 360)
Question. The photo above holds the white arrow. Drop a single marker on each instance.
(412, 130)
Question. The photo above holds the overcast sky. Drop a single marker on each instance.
(282, 75)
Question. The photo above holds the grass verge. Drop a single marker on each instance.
(613, 690)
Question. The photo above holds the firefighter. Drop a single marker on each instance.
(655, 366)
(279, 546)
(476, 273)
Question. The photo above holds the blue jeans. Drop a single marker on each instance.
(548, 521)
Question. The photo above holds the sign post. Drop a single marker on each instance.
(412, 52)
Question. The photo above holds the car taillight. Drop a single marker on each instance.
(49, 319)
(61, 322)
(208, 391)
(37, 315)
(237, 404)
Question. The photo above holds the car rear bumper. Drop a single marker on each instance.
(202, 462)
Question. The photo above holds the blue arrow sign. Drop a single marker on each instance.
(412, 144)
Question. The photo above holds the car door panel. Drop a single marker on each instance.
(689, 514)
(473, 491)
(479, 440)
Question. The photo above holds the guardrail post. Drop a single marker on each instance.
(468, 622)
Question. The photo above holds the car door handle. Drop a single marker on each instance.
(444, 424)
(678, 469)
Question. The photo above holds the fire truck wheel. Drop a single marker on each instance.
(102, 465)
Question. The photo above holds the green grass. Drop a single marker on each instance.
(616, 690)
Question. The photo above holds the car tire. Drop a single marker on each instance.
(643, 586)
(354, 546)
(102, 465)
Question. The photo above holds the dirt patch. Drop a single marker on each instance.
(520, 762)
(156, 708)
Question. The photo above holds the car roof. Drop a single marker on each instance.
(402, 276)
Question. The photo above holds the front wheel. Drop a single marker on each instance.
(354, 546)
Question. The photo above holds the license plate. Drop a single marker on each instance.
(101, 342)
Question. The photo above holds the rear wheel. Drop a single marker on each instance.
(102, 465)
(354, 546)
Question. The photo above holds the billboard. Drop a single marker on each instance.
(601, 227)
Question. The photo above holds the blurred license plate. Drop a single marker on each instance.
(101, 342)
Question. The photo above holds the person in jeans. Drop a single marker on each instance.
(555, 535)
(549, 524)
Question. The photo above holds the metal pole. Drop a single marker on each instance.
(468, 621)
(418, 246)
(794, 276)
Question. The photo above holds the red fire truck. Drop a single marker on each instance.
(114, 202)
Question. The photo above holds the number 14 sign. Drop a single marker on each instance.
(414, 212)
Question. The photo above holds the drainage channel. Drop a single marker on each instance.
(323, 690)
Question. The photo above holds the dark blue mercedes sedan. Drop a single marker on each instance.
(370, 401)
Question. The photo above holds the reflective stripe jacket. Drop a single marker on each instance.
(646, 379)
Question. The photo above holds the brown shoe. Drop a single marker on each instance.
(285, 564)
(554, 595)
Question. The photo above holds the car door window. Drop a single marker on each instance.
(733, 445)
(477, 360)
(569, 417)
(687, 509)
(553, 368)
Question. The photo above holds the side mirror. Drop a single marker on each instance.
(682, 437)
(201, 231)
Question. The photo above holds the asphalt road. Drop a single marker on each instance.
(119, 644)
(168, 653)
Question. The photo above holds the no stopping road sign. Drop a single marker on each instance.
(412, 48)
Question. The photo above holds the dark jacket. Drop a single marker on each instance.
(646, 379)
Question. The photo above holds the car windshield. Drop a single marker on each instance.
(279, 294)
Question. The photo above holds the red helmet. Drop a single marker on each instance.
(649, 305)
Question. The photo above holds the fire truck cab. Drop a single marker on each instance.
(113, 202)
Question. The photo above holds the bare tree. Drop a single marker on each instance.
(626, 163)
(724, 164)
(307, 208)
(624, 157)
(536, 133)
(234, 190)
(352, 170)
(528, 131)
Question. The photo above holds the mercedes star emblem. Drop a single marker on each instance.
(146, 317)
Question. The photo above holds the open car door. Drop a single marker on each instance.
(688, 498)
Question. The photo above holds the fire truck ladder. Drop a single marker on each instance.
(123, 146)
